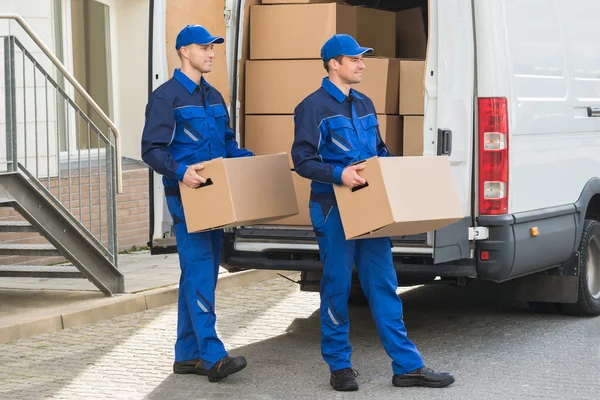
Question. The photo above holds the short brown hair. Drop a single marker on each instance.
(336, 58)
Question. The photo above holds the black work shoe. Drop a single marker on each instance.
(225, 367)
(190, 367)
(344, 380)
(425, 377)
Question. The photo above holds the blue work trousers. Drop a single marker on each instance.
(373, 260)
(199, 259)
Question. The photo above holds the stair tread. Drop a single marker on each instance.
(18, 246)
(40, 271)
(38, 268)
(14, 223)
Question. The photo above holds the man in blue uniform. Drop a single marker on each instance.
(187, 123)
(335, 127)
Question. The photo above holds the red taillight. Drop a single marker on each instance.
(493, 156)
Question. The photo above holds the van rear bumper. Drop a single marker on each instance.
(514, 252)
(308, 261)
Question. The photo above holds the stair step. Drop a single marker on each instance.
(16, 226)
(6, 202)
(28, 250)
(39, 271)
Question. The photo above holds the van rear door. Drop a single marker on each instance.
(448, 130)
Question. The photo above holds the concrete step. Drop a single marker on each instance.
(39, 271)
(9, 249)
(16, 226)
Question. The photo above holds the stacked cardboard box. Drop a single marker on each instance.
(281, 72)
(411, 48)
(411, 102)
(285, 67)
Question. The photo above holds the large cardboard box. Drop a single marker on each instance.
(300, 1)
(380, 83)
(412, 136)
(278, 86)
(274, 87)
(273, 134)
(390, 127)
(404, 196)
(302, 189)
(411, 41)
(296, 31)
(270, 134)
(377, 29)
(412, 87)
(240, 191)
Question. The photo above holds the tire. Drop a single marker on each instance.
(588, 302)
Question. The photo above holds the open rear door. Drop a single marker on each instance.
(448, 130)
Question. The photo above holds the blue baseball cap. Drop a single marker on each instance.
(342, 45)
(196, 34)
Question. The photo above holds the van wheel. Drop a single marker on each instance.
(588, 302)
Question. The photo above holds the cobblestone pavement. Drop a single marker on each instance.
(496, 348)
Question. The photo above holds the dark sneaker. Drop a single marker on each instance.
(225, 367)
(344, 380)
(423, 377)
(190, 367)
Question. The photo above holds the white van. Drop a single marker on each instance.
(512, 96)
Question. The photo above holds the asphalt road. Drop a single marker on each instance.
(496, 348)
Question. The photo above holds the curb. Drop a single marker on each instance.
(119, 305)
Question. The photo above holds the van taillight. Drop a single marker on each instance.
(493, 156)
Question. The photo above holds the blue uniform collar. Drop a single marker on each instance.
(187, 83)
(336, 92)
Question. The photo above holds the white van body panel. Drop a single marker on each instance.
(543, 56)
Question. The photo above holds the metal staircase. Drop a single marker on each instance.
(60, 170)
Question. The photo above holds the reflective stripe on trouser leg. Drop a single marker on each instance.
(379, 282)
(337, 256)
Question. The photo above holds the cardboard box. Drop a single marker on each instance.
(270, 134)
(404, 196)
(380, 83)
(273, 134)
(390, 127)
(411, 40)
(297, 31)
(377, 29)
(412, 87)
(273, 86)
(300, 1)
(412, 136)
(240, 191)
(302, 189)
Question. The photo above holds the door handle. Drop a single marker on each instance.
(444, 142)
(593, 111)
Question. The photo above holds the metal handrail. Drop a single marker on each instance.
(77, 86)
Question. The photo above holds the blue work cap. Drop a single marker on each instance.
(342, 45)
(196, 34)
